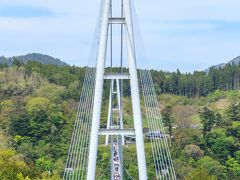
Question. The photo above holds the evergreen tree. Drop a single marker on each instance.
(17, 63)
(233, 112)
(219, 120)
(168, 119)
(208, 119)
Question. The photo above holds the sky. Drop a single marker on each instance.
(177, 34)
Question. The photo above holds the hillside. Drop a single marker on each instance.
(235, 61)
(196, 84)
(44, 59)
(38, 109)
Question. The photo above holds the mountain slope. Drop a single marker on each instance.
(44, 59)
(233, 61)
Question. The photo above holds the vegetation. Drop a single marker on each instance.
(198, 83)
(201, 113)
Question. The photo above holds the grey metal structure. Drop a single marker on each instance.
(126, 21)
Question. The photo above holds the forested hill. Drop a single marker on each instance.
(196, 84)
(233, 61)
(38, 105)
(44, 59)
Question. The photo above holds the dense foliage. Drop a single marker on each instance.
(198, 83)
(38, 107)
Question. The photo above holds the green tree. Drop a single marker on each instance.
(193, 151)
(11, 165)
(200, 174)
(219, 120)
(6, 107)
(52, 92)
(44, 164)
(21, 177)
(213, 167)
(73, 90)
(36, 105)
(234, 129)
(233, 112)
(222, 147)
(208, 119)
(17, 63)
(20, 124)
(168, 119)
(233, 166)
(237, 155)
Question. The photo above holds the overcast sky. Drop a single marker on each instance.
(185, 34)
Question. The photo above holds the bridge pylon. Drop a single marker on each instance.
(126, 21)
(82, 154)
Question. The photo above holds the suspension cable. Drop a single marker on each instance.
(127, 172)
(100, 177)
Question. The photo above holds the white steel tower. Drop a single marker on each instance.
(126, 21)
(82, 154)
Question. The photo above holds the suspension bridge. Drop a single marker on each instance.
(116, 46)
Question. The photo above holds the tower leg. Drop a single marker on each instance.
(135, 93)
(109, 110)
(91, 171)
(120, 108)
